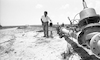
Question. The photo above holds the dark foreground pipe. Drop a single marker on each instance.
(81, 52)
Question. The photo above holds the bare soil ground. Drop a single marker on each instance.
(28, 44)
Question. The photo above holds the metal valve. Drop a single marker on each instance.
(95, 45)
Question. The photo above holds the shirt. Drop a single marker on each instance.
(45, 19)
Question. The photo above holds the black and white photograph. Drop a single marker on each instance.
(49, 29)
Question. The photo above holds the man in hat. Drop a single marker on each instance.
(45, 19)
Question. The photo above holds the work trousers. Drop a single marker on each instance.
(45, 28)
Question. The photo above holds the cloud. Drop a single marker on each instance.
(39, 6)
(65, 6)
(95, 5)
(91, 5)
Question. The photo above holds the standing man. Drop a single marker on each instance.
(45, 19)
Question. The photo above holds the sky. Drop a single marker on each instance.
(29, 12)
